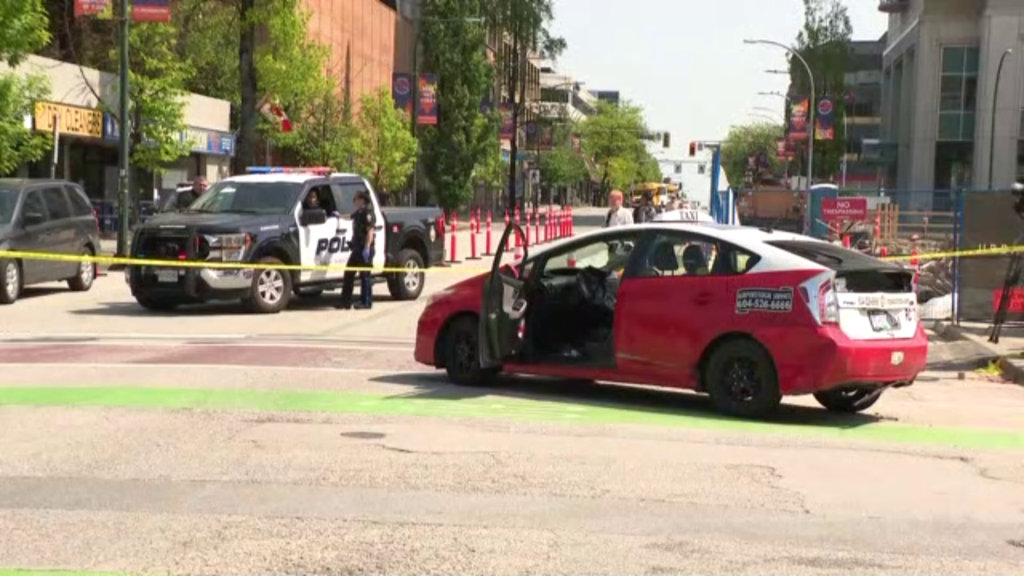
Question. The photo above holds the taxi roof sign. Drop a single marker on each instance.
(318, 170)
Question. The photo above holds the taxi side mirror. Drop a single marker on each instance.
(312, 217)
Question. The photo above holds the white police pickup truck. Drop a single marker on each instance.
(264, 217)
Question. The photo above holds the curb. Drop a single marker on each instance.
(1009, 368)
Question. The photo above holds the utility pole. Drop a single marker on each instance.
(124, 163)
(513, 86)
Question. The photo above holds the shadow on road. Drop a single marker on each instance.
(225, 308)
(623, 397)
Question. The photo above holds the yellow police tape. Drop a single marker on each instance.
(123, 261)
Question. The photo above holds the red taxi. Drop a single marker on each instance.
(744, 315)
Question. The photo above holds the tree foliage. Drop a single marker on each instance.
(157, 96)
(527, 23)
(612, 138)
(562, 166)
(326, 136)
(385, 148)
(24, 30)
(464, 138)
(749, 140)
(824, 44)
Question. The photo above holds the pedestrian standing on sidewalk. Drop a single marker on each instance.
(363, 222)
(617, 215)
(186, 198)
(645, 212)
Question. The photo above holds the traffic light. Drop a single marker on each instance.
(666, 140)
(693, 149)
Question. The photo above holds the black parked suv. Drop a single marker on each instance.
(45, 216)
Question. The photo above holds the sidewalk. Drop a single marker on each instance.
(1008, 353)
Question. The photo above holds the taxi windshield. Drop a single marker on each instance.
(248, 198)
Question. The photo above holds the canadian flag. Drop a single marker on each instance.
(273, 111)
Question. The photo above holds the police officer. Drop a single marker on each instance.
(363, 222)
(188, 197)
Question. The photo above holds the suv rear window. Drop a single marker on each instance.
(80, 204)
(56, 203)
(831, 256)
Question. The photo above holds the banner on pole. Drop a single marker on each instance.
(824, 123)
(427, 101)
(151, 11)
(101, 9)
(506, 122)
(798, 114)
(547, 137)
(532, 134)
(401, 92)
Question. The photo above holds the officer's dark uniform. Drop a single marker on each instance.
(363, 221)
(185, 199)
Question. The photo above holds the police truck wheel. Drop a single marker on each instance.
(84, 277)
(10, 281)
(462, 355)
(848, 400)
(271, 288)
(407, 285)
(741, 380)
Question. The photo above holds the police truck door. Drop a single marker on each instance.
(324, 244)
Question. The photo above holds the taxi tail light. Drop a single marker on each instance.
(819, 294)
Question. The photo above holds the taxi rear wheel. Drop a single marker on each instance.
(741, 379)
(462, 354)
(848, 400)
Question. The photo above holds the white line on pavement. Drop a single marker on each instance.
(210, 367)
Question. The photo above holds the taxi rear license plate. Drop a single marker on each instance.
(883, 321)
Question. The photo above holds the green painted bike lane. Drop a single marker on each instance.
(582, 413)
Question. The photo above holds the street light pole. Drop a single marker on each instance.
(124, 160)
(811, 107)
(992, 133)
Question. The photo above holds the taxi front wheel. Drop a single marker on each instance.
(462, 354)
(741, 379)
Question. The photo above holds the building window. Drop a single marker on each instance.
(958, 91)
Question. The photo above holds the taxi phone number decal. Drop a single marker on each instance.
(764, 300)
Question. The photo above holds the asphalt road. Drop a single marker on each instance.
(214, 442)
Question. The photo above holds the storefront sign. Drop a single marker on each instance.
(208, 142)
(110, 127)
(850, 209)
(73, 120)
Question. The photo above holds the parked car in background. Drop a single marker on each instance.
(45, 216)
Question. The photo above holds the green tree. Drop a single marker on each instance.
(24, 29)
(156, 87)
(326, 136)
(526, 23)
(491, 172)
(612, 138)
(463, 138)
(749, 140)
(385, 147)
(562, 166)
(824, 42)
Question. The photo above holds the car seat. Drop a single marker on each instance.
(693, 260)
(663, 259)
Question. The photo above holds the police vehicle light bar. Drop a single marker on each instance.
(318, 170)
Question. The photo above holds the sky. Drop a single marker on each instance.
(684, 61)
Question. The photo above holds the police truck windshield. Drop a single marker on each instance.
(248, 198)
